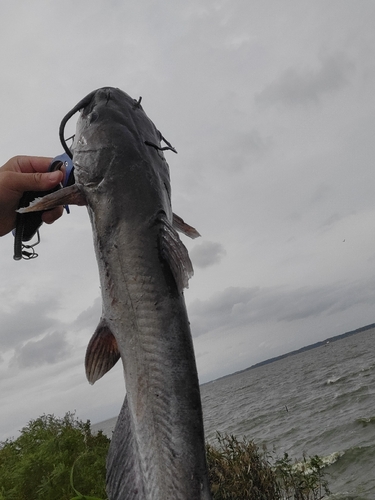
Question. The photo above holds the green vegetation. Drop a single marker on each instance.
(240, 470)
(302, 480)
(60, 459)
(38, 464)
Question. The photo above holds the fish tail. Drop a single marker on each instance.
(123, 469)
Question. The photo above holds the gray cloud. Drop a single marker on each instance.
(242, 150)
(25, 321)
(49, 350)
(239, 306)
(207, 254)
(252, 142)
(296, 86)
(206, 315)
(89, 318)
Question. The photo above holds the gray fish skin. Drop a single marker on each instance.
(158, 448)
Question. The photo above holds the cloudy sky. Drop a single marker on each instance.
(271, 107)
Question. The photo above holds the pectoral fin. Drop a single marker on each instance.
(183, 227)
(102, 353)
(176, 255)
(71, 195)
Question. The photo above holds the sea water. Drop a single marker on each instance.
(318, 402)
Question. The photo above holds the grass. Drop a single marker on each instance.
(241, 470)
(58, 458)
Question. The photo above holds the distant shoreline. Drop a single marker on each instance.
(298, 351)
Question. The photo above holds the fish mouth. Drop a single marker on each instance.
(104, 94)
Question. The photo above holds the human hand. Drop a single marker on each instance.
(20, 174)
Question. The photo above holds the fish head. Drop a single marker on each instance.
(113, 125)
(117, 157)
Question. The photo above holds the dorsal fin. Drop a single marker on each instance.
(184, 227)
(102, 352)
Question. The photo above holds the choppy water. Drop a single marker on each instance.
(320, 401)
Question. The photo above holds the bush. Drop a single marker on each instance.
(37, 465)
(239, 470)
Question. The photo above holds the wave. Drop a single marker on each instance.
(365, 421)
(332, 458)
(333, 380)
(356, 454)
(353, 462)
(359, 374)
(369, 368)
(339, 469)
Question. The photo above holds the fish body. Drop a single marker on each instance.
(158, 448)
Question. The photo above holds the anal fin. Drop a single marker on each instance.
(102, 352)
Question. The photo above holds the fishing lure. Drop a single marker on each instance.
(27, 225)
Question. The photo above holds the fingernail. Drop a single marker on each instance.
(54, 176)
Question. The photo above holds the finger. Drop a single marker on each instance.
(37, 181)
(52, 215)
(27, 164)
